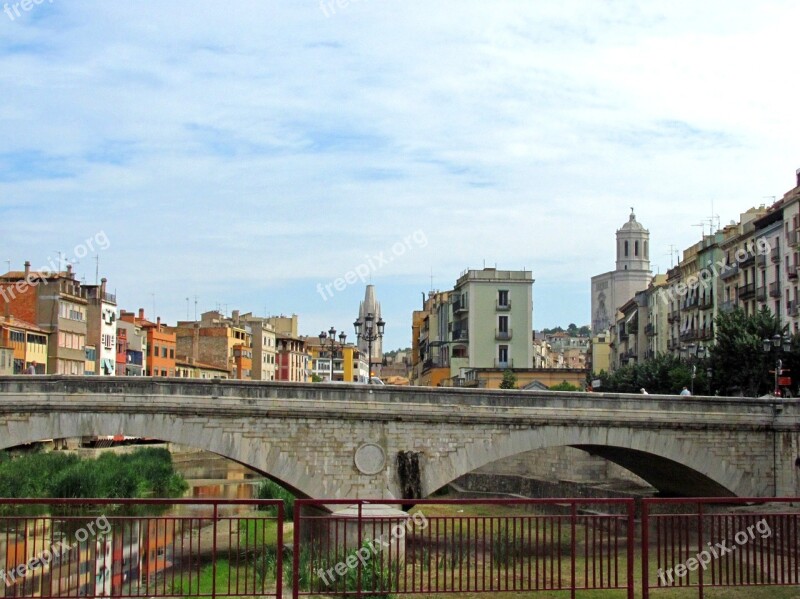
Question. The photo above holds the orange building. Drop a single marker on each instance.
(161, 344)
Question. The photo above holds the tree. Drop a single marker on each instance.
(665, 374)
(572, 329)
(509, 380)
(738, 360)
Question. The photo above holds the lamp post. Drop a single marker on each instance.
(328, 341)
(369, 331)
(780, 344)
(694, 354)
(710, 377)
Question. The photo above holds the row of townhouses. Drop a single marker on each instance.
(51, 323)
(750, 264)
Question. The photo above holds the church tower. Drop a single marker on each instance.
(612, 289)
(371, 305)
(633, 241)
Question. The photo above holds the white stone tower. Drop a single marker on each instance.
(371, 305)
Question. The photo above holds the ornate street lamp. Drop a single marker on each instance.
(780, 344)
(327, 341)
(369, 331)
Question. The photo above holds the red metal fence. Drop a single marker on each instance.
(719, 542)
(374, 549)
(234, 548)
(140, 548)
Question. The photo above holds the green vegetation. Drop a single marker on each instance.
(572, 330)
(509, 380)
(739, 365)
(565, 386)
(270, 490)
(146, 472)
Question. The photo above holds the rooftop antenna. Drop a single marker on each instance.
(703, 228)
(97, 269)
(431, 277)
(60, 253)
(672, 250)
(187, 308)
(195, 307)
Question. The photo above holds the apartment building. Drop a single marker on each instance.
(161, 344)
(430, 341)
(264, 351)
(25, 345)
(101, 327)
(189, 369)
(219, 341)
(293, 360)
(131, 349)
(57, 304)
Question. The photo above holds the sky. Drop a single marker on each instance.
(246, 155)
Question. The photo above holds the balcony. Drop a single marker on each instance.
(747, 291)
(676, 315)
(689, 334)
(761, 261)
(794, 308)
(460, 335)
(705, 302)
(793, 238)
(431, 363)
(775, 289)
(776, 253)
(706, 332)
(749, 261)
(761, 294)
(792, 272)
(503, 364)
(649, 329)
(503, 335)
(729, 270)
(691, 301)
(502, 307)
(727, 306)
(459, 307)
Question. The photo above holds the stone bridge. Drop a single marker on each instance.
(343, 441)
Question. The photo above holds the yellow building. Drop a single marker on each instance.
(348, 364)
(28, 342)
(600, 358)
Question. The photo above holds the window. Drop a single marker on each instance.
(626, 249)
(37, 339)
(154, 350)
(502, 297)
(164, 352)
(502, 324)
(17, 336)
(502, 354)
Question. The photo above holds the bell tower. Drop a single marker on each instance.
(633, 246)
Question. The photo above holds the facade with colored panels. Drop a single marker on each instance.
(131, 349)
(57, 304)
(101, 327)
(27, 343)
(160, 345)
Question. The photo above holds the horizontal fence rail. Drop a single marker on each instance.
(140, 548)
(377, 549)
(719, 542)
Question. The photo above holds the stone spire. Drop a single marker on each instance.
(371, 305)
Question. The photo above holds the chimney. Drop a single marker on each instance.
(195, 342)
(103, 282)
(141, 313)
(158, 323)
(28, 265)
(235, 316)
(797, 172)
(69, 270)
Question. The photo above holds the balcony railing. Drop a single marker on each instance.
(729, 270)
(503, 335)
(649, 329)
(691, 301)
(460, 335)
(749, 261)
(706, 332)
(459, 306)
(776, 253)
(503, 307)
(775, 289)
(705, 302)
(792, 272)
(747, 290)
(761, 294)
(761, 260)
(794, 308)
(727, 306)
(689, 334)
(503, 363)
(792, 238)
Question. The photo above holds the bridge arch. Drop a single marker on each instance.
(674, 467)
(262, 456)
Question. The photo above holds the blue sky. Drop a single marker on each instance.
(247, 152)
